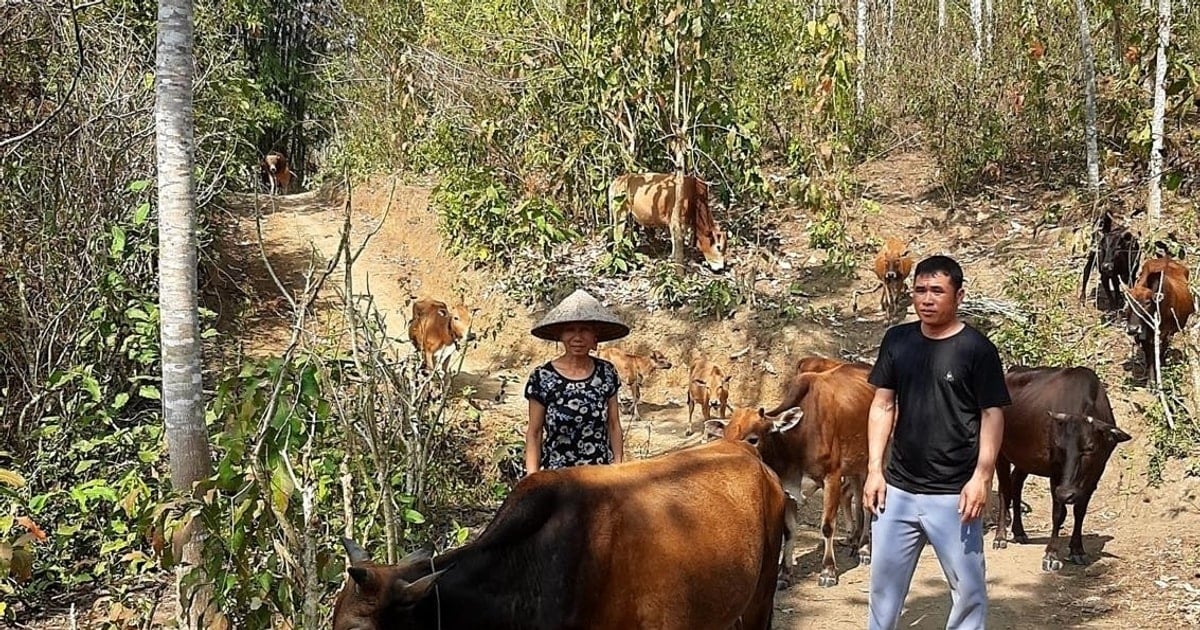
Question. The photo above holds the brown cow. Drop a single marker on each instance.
(709, 384)
(688, 540)
(825, 438)
(1161, 291)
(650, 198)
(436, 326)
(893, 263)
(277, 172)
(1060, 426)
(634, 369)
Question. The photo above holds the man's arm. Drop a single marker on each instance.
(881, 419)
(973, 499)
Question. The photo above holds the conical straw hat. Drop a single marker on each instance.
(580, 306)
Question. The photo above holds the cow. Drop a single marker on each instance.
(650, 199)
(824, 437)
(436, 326)
(1162, 292)
(1116, 256)
(893, 263)
(687, 540)
(277, 173)
(1060, 426)
(634, 369)
(708, 385)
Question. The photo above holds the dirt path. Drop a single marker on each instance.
(1145, 542)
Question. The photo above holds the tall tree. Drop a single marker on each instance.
(182, 404)
(860, 41)
(977, 22)
(1089, 88)
(1154, 196)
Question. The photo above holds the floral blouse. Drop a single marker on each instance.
(576, 427)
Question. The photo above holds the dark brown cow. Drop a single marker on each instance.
(650, 198)
(277, 172)
(1116, 255)
(1160, 291)
(436, 326)
(1060, 426)
(688, 540)
(709, 384)
(825, 438)
(634, 369)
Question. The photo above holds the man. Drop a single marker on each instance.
(940, 386)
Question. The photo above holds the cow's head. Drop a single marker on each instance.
(275, 163)
(898, 266)
(1082, 445)
(711, 244)
(1143, 304)
(1117, 251)
(460, 322)
(753, 426)
(382, 596)
(659, 360)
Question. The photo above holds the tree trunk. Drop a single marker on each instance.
(1089, 80)
(1154, 197)
(182, 395)
(977, 22)
(680, 118)
(860, 36)
(941, 8)
(989, 27)
(887, 39)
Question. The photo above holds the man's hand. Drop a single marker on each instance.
(973, 498)
(874, 491)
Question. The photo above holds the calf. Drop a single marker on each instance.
(825, 438)
(278, 174)
(1162, 293)
(634, 369)
(709, 384)
(650, 199)
(688, 540)
(1116, 255)
(893, 263)
(1060, 426)
(436, 327)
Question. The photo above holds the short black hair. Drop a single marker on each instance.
(941, 264)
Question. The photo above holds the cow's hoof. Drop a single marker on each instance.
(827, 579)
(864, 558)
(1078, 558)
(1021, 539)
(1050, 564)
(999, 544)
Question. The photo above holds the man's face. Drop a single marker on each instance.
(935, 299)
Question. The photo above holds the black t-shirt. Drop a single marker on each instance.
(941, 386)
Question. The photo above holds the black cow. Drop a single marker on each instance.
(1060, 426)
(1116, 255)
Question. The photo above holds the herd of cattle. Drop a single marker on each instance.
(702, 537)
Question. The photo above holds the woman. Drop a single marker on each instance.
(573, 414)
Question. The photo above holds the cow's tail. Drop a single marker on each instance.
(797, 389)
(1087, 272)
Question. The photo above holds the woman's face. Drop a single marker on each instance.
(579, 339)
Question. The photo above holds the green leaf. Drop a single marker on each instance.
(140, 184)
(85, 465)
(413, 516)
(92, 386)
(118, 242)
(119, 400)
(149, 392)
(141, 213)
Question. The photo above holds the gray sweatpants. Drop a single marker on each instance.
(897, 537)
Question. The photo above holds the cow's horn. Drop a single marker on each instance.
(357, 554)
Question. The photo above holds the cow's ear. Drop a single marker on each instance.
(762, 413)
(362, 578)
(354, 552)
(1119, 435)
(715, 427)
(787, 420)
(728, 378)
(407, 594)
(442, 312)
(1106, 222)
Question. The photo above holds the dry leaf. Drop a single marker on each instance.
(26, 522)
